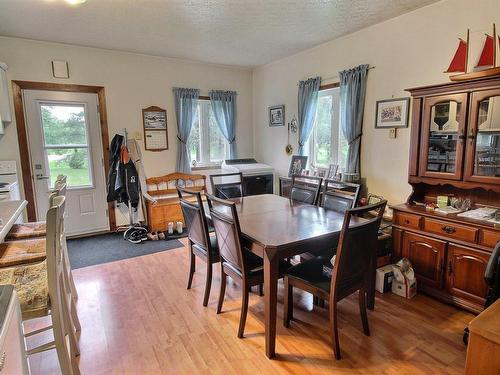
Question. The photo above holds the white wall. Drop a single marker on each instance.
(407, 51)
(131, 82)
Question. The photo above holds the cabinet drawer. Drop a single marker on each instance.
(408, 220)
(489, 238)
(451, 230)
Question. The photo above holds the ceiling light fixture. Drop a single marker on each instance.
(75, 2)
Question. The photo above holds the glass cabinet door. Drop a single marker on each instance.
(443, 136)
(483, 138)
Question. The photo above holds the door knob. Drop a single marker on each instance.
(42, 177)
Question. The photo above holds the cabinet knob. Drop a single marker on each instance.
(448, 229)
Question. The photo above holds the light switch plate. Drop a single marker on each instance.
(393, 133)
(138, 136)
(60, 69)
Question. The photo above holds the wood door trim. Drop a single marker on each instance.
(17, 88)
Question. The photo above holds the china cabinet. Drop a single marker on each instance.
(454, 151)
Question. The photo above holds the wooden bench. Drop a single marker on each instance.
(167, 208)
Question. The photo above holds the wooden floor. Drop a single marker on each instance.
(138, 318)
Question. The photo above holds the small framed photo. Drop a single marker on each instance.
(277, 115)
(155, 118)
(392, 113)
(297, 165)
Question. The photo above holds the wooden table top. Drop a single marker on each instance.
(487, 324)
(275, 221)
(9, 212)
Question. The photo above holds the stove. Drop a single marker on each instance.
(258, 178)
(9, 186)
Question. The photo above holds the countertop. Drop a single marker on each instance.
(9, 212)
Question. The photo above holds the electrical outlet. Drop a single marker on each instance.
(393, 133)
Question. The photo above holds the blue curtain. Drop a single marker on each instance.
(186, 101)
(307, 103)
(224, 108)
(352, 104)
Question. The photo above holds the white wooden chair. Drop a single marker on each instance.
(43, 290)
(35, 229)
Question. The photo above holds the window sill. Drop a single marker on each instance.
(205, 166)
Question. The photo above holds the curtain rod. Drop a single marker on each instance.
(337, 77)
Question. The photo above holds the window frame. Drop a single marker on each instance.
(204, 108)
(335, 136)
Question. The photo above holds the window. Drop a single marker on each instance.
(206, 144)
(66, 143)
(327, 144)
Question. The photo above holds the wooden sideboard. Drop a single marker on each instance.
(454, 151)
(449, 254)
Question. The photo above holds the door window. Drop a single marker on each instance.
(66, 143)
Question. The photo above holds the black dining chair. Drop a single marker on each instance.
(227, 185)
(200, 243)
(339, 196)
(305, 189)
(237, 262)
(351, 270)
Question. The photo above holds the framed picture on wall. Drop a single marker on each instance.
(277, 115)
(155, 128)
(297, 165)
(392, 113)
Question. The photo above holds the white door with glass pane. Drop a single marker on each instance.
(64, 137)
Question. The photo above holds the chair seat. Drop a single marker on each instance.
(215, 249)
(31, 285)
(27, 230)
(255, 265)
(311, 272)
(20, 252)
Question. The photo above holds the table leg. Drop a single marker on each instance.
(271, 271)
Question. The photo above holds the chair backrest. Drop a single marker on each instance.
(55, 220)
(194, 217)
(61, 319)
(339, 196)
(227, 229)
(356, 250)
(305, 189)
(59, 189)
(227, 185)
(332, 171)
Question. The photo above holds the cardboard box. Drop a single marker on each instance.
(408, 289)
(384, 278)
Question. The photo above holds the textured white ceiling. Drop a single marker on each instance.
(232, 32)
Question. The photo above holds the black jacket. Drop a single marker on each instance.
(123, 179)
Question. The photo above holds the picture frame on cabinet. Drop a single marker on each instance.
(297, 165)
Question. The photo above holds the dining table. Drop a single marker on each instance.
(276, 228)
(9, 213)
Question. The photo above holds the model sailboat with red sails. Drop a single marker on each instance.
(487, 60)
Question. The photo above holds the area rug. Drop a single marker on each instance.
(110, 247)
